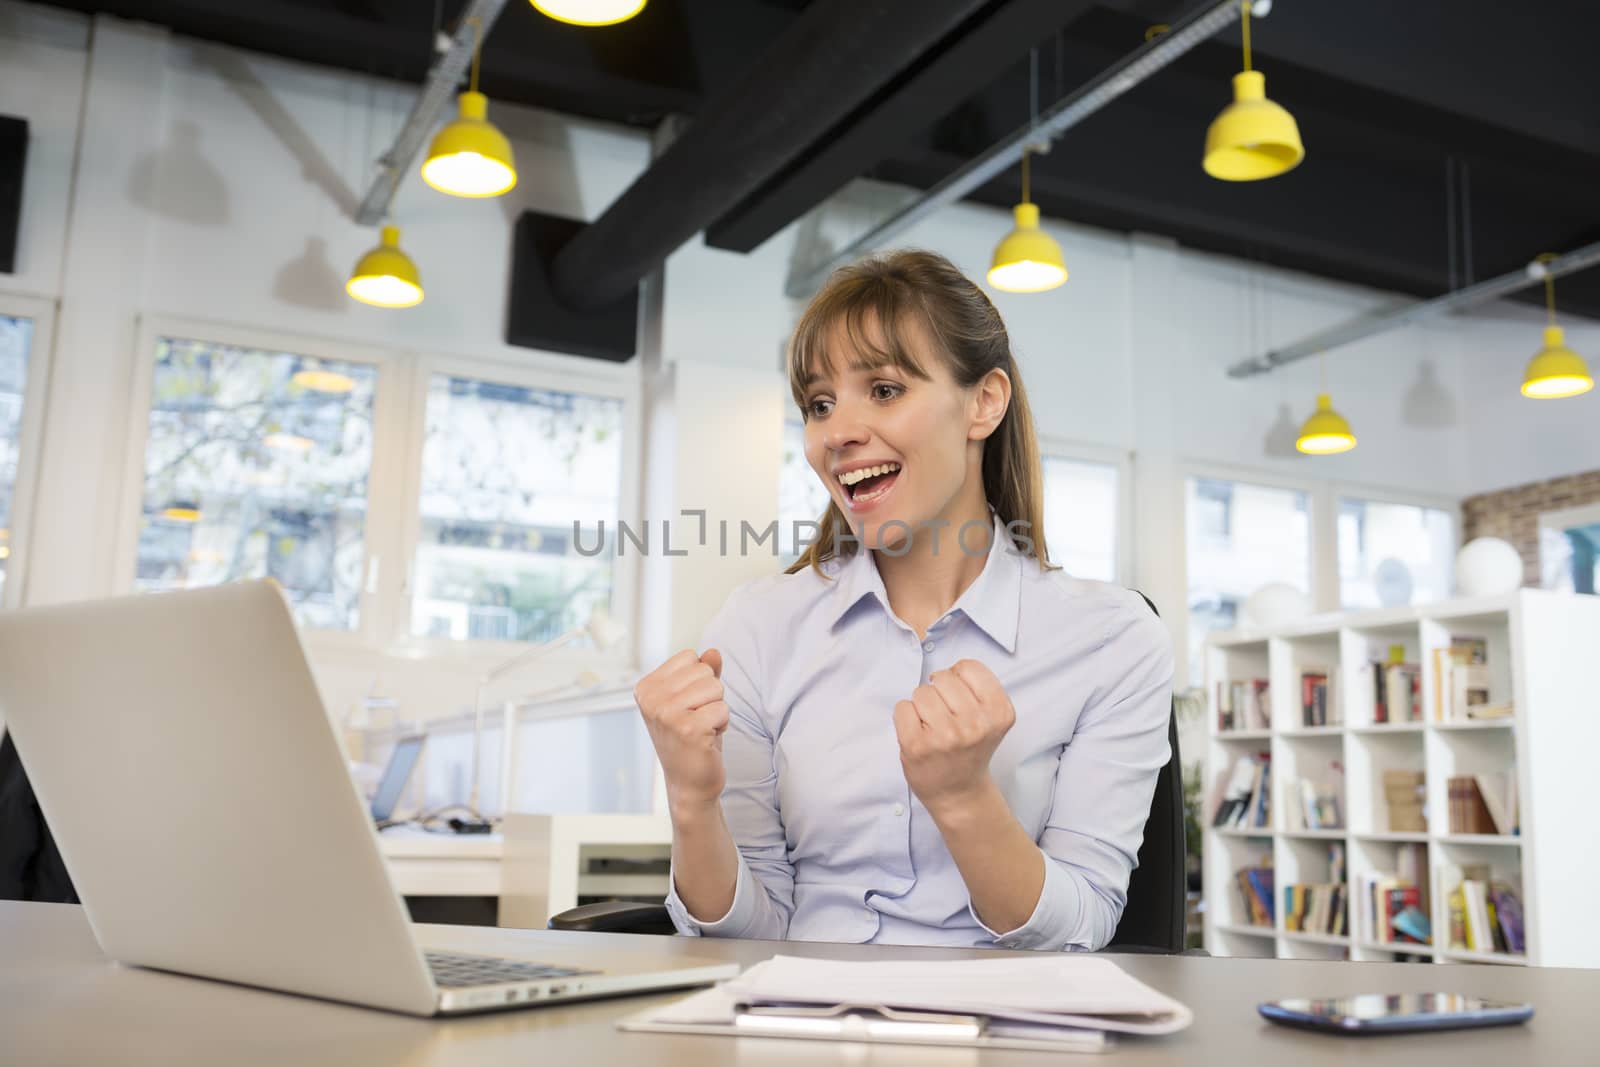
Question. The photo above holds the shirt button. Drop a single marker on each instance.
(927, 646)
(898, 809)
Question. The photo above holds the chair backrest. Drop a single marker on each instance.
(1154, 914)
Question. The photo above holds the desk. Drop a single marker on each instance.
(536, 867)
(425, 864)
(62, 1003)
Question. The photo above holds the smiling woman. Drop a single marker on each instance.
(922, 732)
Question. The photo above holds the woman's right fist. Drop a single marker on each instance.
(683, 709)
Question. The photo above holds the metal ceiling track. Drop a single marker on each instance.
(437, 91)
(1369, 325)
(1157, 53)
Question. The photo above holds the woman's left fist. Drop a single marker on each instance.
(948, 732)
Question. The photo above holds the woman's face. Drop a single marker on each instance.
(889, 445)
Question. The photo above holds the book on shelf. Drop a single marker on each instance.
(1244, 704)
(1461, 682)
(1336, 862)
(1256, 893)
(1394, 904)
(1315, 804)
(1483, 803)
(1486, 913)
(1319, 704)
(1246, 801)
(1315, 908)
(1404, 792)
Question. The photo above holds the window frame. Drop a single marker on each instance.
(626, 576)
(385, 411)
(1120, 459)
(42, 312)
(393, 518)
(1337, 490)
(1323, 499)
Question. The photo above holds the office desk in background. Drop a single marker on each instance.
(539, 866)
(61, 1002)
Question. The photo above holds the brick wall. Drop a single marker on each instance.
(1513, 514)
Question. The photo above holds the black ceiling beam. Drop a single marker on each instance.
(634, 73)
(933, 87)
(1522, 68)
(834, 57)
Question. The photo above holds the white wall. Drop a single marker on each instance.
(172, 177)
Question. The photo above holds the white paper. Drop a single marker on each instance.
(1059, 989)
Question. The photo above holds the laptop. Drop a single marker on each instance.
(396, 776)
(198, 793)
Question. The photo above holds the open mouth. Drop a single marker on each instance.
(868, 485)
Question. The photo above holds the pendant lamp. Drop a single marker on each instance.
(470, 157)
(590, 12)
(1326, 432)
(1555, 371)
(1253, 138)
(385, 277)
(1027, 260)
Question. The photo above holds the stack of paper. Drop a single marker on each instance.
(1056, 1000)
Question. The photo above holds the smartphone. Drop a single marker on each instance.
(1391, 1013)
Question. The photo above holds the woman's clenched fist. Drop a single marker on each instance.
(948, 732)
(683, 709)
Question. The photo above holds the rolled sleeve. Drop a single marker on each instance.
(741, 920)
(763, 898)
(1104, 783)
(1055, 919)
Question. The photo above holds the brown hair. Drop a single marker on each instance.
(966, 329)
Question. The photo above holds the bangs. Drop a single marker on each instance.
(859, 320)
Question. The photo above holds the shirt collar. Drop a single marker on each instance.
(993, 601)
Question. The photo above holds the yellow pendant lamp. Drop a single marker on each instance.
(590, 12)
(1555, 371)
(1253, 138)
(319, 380)
(385, 277)
(471, 157)
(1027, 260)
(1326, 432)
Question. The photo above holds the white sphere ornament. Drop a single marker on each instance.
(1392, 580)
(1487, 566)
(1275, 604)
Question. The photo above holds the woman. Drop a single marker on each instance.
(922, 733)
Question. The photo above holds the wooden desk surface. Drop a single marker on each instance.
(61, 1002)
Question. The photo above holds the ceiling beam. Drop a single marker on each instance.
(936, 85)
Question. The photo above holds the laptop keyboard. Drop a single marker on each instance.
(453, 971)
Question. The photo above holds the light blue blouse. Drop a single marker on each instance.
(834, 846)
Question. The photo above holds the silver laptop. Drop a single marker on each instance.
(198, 793)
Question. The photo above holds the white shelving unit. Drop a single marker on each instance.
(1543, 655)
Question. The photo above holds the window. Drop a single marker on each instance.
(1393, 554)
(1080, 516)
(1240, 537)
(16, 338)
(506, 472)
(801, 496)
(256, 465)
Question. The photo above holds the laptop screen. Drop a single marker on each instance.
(395, 776)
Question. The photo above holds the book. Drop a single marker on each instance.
(1319, 699)
(1237, 794)
(1508, 914)
(1469, 812)
(1403, 793)
(1492, 789)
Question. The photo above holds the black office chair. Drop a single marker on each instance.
(31, 867)
(1152, 919)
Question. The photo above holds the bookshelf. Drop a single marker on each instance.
(1540, 652)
